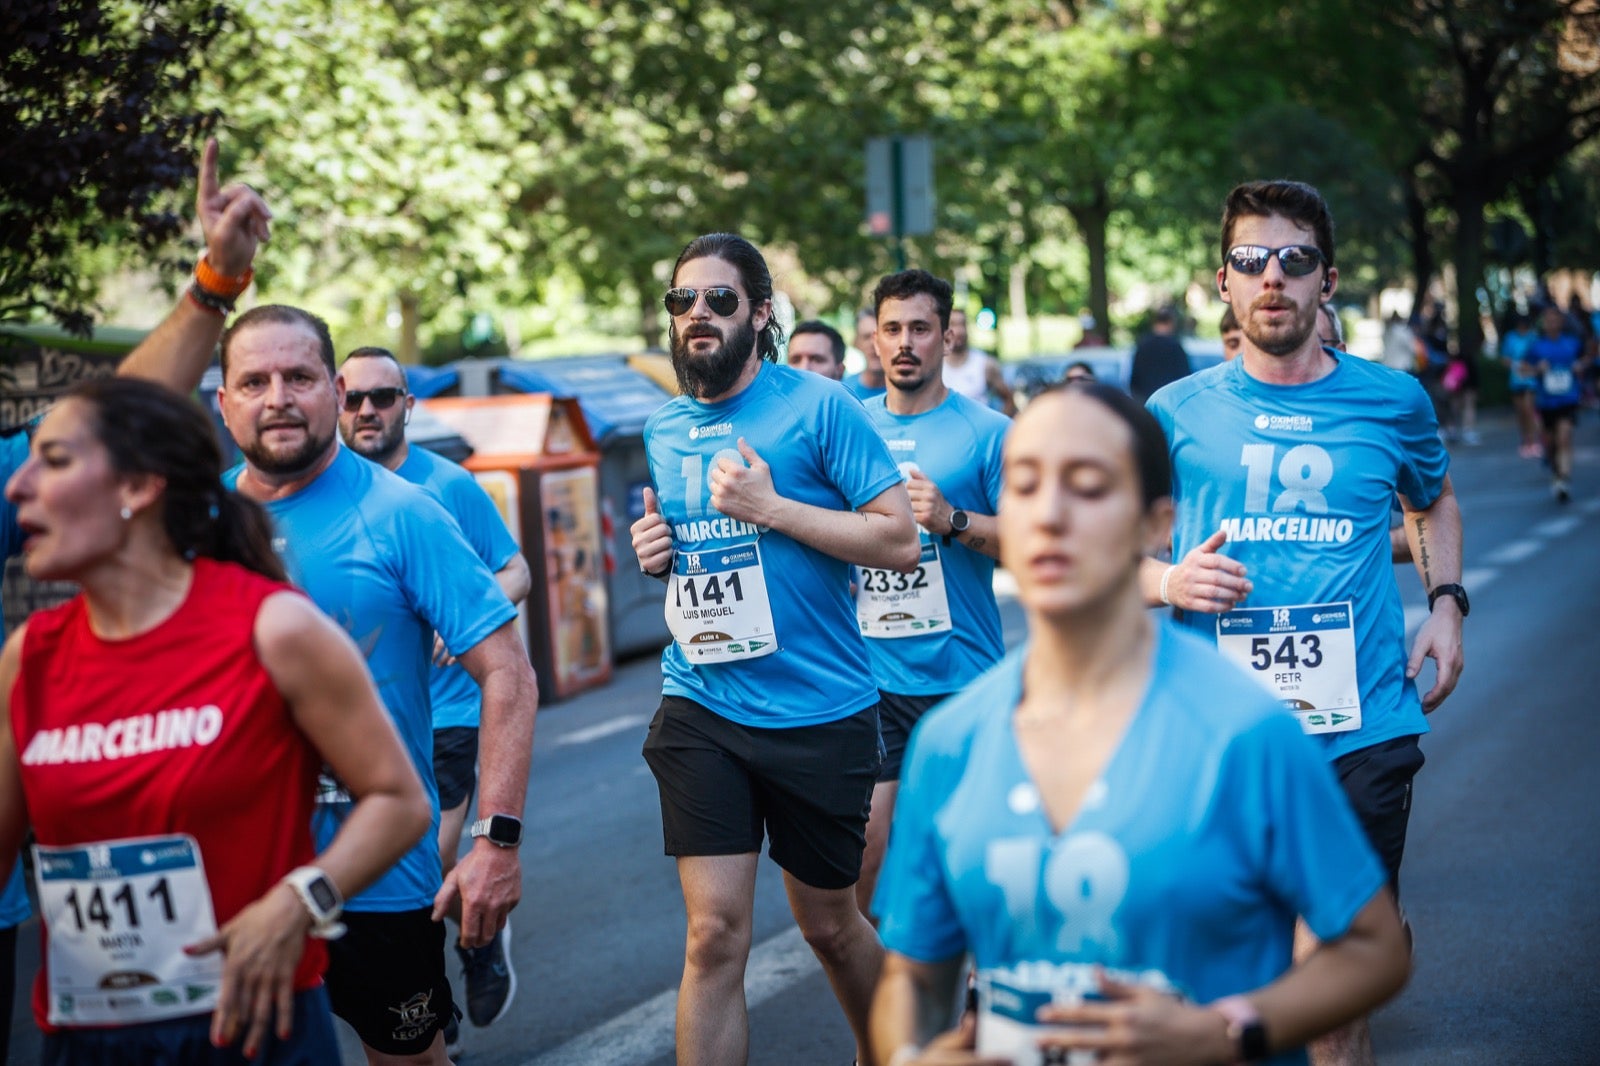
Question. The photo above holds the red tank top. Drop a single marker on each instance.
(177, 730)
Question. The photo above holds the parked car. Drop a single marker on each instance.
(1028, 377)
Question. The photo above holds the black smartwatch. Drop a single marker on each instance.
(503, 830)
(1455, 592)
(960, 522)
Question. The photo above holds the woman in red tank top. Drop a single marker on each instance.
(162, 734)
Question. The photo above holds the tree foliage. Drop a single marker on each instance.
(97, 131)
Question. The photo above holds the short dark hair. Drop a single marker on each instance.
(147, 429)
(1229, 321)
(909, 283)
(816, 325)
(372, 351)
(1150, 455)
(280, 314)
(1294, 200)
(753, 275)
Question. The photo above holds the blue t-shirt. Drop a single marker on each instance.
(454, 695)
(957, 446)
(13, 453)
(823, 451)
(862, 391)
(1303, 477)
(1557, 385)
(385, 560)
(1214, 824)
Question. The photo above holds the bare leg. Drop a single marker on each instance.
(883, 796)
(719, 897)
(1348, 1045)
(847, 946)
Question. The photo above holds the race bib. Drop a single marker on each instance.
(717, 606)
(1009, 1000)
(119, 914)
(1557, 381)
(890, 604)
(1306, 656)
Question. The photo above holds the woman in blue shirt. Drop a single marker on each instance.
(1117, 824)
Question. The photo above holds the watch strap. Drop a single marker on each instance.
(1246, 1031)
(321, 899)
(1455, 592)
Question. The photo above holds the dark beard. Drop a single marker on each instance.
(713, 373)
(382, 450)
(280, 463)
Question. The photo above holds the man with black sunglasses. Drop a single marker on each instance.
(377, 408)
(1285, 461)
(767, 484)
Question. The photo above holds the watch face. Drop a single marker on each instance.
(322, 893)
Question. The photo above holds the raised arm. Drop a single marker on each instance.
(235, 220)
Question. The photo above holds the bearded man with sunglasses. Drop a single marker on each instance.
(385, 559)
(767, 483)
(373, 419)
(1285, 461)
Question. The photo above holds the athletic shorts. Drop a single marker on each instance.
(809, 788)
(897, 716)
(455, 764)
(386, 978)
(1551, 415)
(1377, 781)
(188, 1040)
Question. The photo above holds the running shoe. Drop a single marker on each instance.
(452, 1036)
(491, 982)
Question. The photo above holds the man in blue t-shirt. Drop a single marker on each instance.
(234, 221)
(372, 421)
(934, 630)
(768, 483)
(1554, 361)
(818, 347)
(383, 558)
(1285, 462)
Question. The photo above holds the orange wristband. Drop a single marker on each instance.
(227, 286)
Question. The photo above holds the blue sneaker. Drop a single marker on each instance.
(490, 980)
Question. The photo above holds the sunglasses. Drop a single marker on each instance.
(382, 399)
(1297, 260)
(722, 301)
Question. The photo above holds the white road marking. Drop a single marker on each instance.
(645, 1032)
(604, 729)
(1515, 551)
(1558, 527)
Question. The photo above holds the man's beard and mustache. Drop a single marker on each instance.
(1286, 338)
(381, 448)
(906, 376)
(711, 373)
(294, 461)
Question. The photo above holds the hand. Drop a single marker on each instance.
(489, 881)
(928, 505)
(261, 947)
(1206, 581)
(441, 654)
(1439, 639)
(652, 537)
(1138, 1026)
(955, 1047)
(743, 490)
(234, 219)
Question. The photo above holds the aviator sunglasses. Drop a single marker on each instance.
(722, 301)
(382, 399)
(1297, 260)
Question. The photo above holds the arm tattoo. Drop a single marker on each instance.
(1422, 552)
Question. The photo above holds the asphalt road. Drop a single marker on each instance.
(1502, 855)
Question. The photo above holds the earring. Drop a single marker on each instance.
(127, 514)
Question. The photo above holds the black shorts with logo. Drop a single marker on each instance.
(455, 764)
(386, 978)
(1377, 781)
(724, 785)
